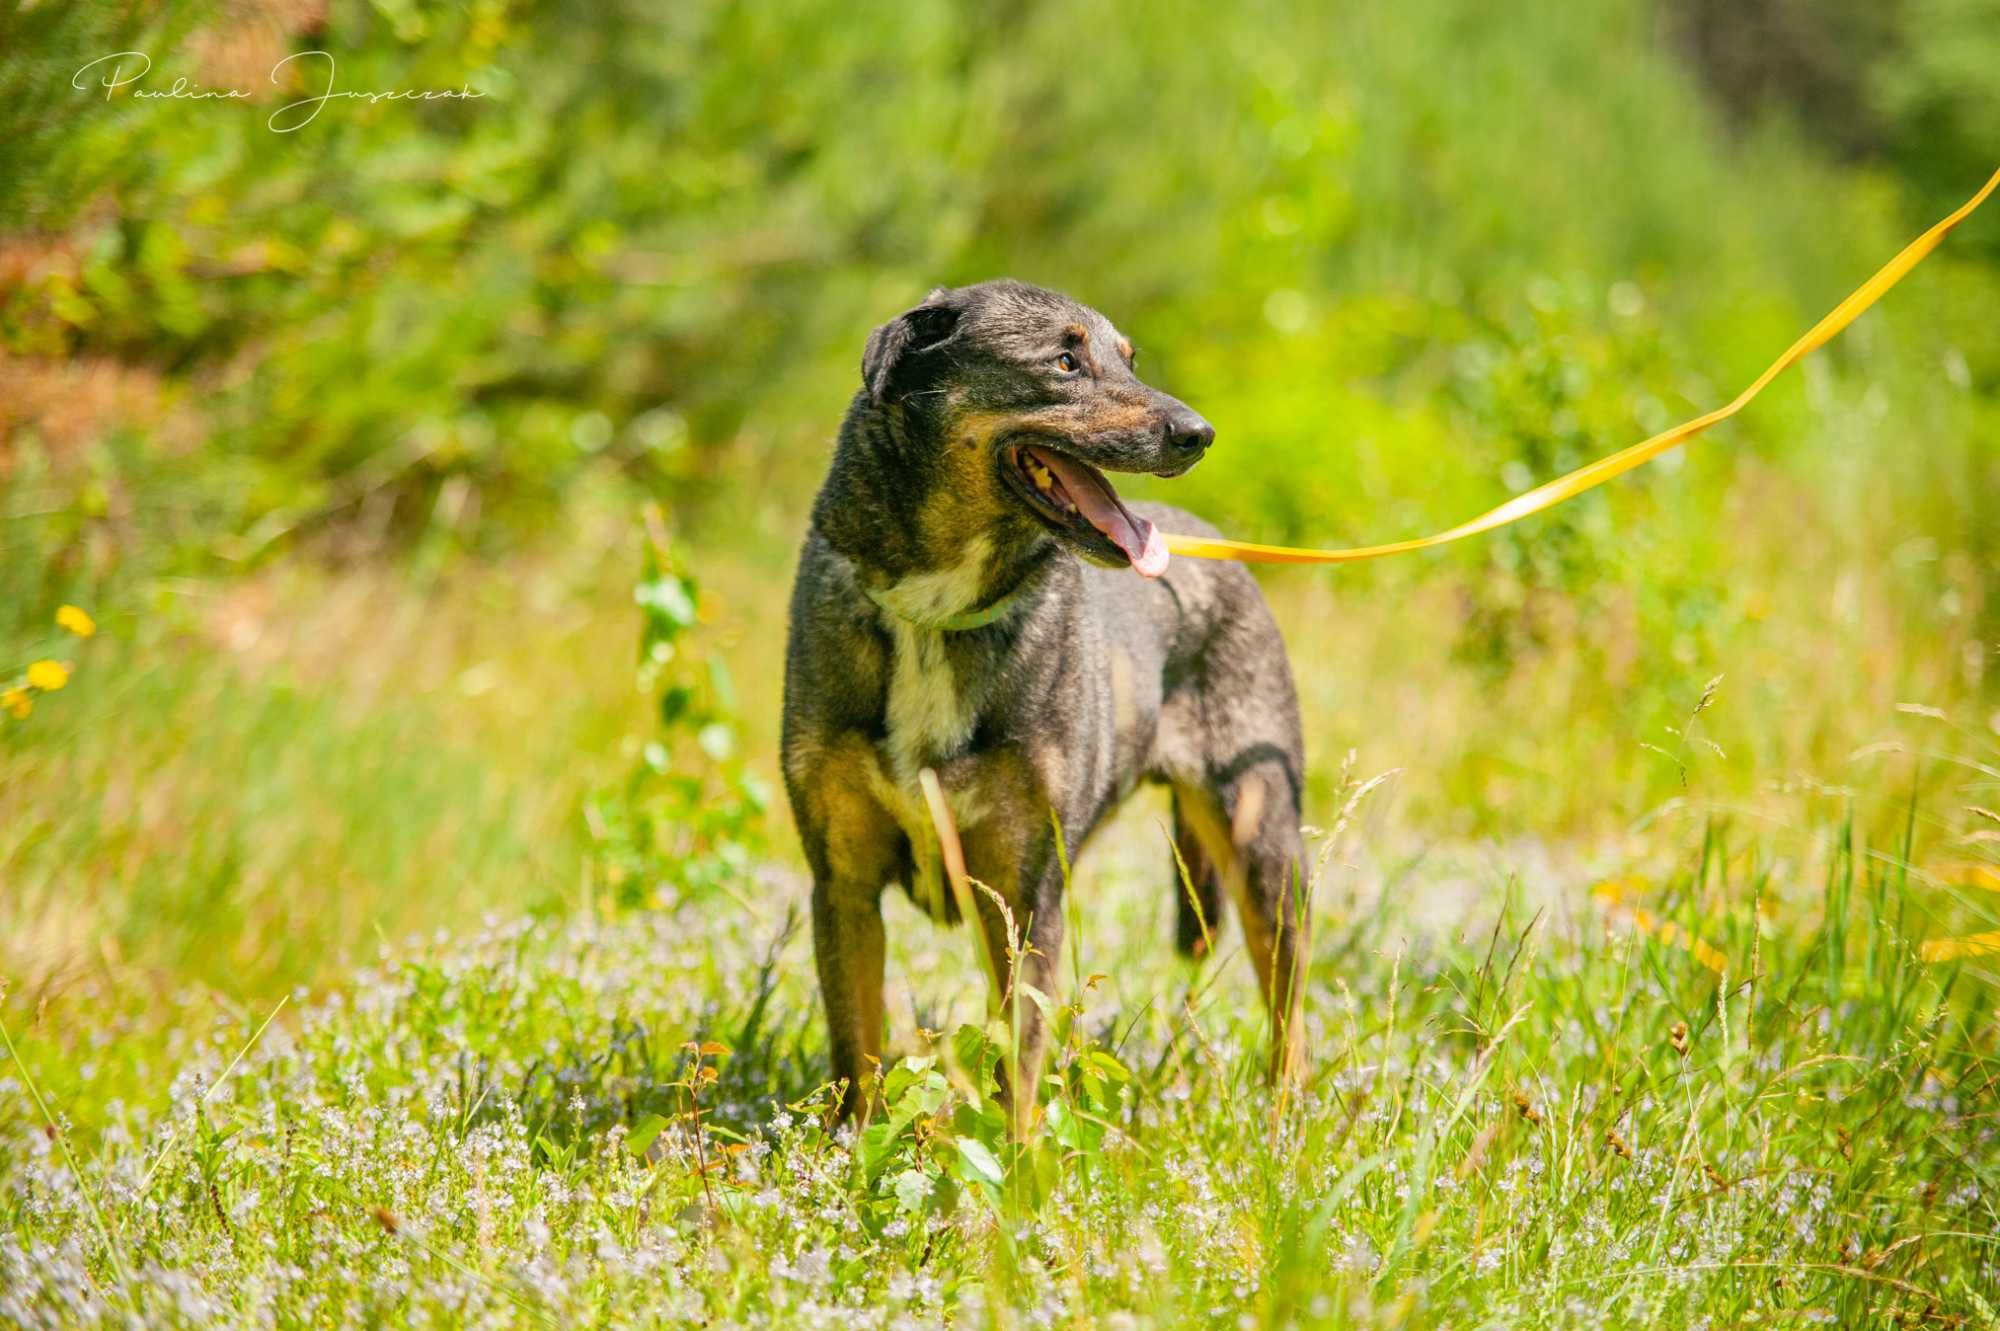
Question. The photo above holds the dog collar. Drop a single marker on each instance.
(961, 622)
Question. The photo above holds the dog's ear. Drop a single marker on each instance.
(896, 343)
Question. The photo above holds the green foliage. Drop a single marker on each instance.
(1908, 83)
(639, 256)
(688, 821)
(1933, 86)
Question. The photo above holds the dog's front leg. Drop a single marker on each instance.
(848, 947)
(1032, 965)
(851, 843)
(1017, 852)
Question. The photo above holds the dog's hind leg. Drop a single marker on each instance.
(1244, 803)
(1249, 826)
(1197, 889)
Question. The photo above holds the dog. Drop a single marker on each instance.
(973, 597)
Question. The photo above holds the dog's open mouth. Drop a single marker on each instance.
(1073, 497)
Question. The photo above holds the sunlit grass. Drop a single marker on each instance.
(1538, 1111)
(252, 780)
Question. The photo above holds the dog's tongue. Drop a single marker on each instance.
(1093, 497)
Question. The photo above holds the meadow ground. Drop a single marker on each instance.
(1691, 1064)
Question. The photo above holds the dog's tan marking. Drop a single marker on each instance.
(1017, 785)
(1118, 416)
(1101, 417)
(1125, 350)
(859, 831)
(1078, 336)
(857, 840)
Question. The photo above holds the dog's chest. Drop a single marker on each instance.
(931, 712)
(930, 717)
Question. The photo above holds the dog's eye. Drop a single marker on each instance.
(1067, 363)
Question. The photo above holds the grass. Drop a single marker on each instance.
(1625, 1010)
(1533, 1100)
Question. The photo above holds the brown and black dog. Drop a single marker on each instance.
(973, 597)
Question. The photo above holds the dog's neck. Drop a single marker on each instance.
(879, 509)
(954, 600)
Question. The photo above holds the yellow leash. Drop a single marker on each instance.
(1597, 473)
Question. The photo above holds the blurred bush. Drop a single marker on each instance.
(1410, 259)
(1910, 82)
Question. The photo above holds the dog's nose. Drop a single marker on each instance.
(1187, 433)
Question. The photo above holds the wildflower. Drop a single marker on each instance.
(1617, 1144)
(76, 620)
(1678, 1037)
(48, 676)
(17, 703)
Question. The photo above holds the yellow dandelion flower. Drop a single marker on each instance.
(16, 702)
(48, 676)
(76, 619)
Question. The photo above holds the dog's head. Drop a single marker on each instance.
(1024, 398)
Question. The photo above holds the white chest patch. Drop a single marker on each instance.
(929, 717)
(928, 714)
(944, 591)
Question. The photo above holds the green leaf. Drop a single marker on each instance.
(643, 1133)
(974, 1052)
(979, 1162)
(877, 1146)
(913, 1189)
(668, 598)
(1106, 1066)
(1078, 1132)
(902, 1077)
(675, 703)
